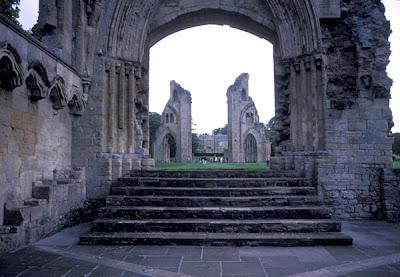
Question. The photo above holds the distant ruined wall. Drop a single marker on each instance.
(243, 120)
(176, 121)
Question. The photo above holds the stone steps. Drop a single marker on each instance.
(212, 201)
(215, 174)
(239, 213)
(213, 182)
(218, 207)
(217, 226)
(218, 239)
(216, 191)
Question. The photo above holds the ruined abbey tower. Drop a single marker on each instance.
(176, 125)
(246, 135)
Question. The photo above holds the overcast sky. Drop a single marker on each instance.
(206, 60)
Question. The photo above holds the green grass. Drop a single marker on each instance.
(210, 166)
(396, 163)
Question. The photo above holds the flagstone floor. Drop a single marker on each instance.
(376, 252)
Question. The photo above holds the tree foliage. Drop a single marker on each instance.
(221, 131)
(154, 122)
(271, 133)
(195, 143)
(396, 144)
(10, 9)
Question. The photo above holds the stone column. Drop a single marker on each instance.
(131, 92)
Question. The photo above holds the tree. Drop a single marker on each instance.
(10, 9)
(195, 143)
(154, 122)
(396, 144)
(271, 133)
(221, 131)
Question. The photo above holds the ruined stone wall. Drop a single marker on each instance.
(243, 120)
(55, 203)
(358, 117)
(391, 196)
(177, 122)
(40, 95)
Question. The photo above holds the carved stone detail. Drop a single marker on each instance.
(11, 74)
(128, 69)
(77, 103)
(37, 82)
(57, 93)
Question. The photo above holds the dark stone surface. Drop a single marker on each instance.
(227, 207)
(60, 256)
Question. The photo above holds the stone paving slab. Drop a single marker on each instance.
(376, 252)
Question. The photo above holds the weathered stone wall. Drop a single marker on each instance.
(391, 196)
(39, 97)
(243, 121)
(176, 121)
(358, 118)
(55, 203)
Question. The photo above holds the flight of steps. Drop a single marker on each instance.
(219, 207)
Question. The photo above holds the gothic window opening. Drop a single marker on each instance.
(249, 118)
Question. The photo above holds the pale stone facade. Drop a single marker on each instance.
(77, 96)
(176, 121)
(247, 140)
(213, 144)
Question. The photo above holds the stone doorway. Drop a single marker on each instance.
(169, 148)
(250, 149)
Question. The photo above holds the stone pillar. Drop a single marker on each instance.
(301, 79)
(126, 165)
(131, 93)
(110, 103)
(136, 163)
(148, 164)
(116, 166)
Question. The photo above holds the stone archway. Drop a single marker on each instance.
(293, 27)
(250, 149)
(331, 88)
(168, 150)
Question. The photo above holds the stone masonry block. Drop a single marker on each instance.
(357, 124)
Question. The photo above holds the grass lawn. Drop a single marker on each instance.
(210, 166)
(396, 163)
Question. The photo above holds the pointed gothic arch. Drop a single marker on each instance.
(250, 149)
(11, 74)
(37, 81)
(57, 93)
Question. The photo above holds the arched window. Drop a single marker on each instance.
(249, 118)
(244, 95)
(11, 74)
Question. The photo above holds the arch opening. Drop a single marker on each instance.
(169, 149)
(250, 149)
(218, 67)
